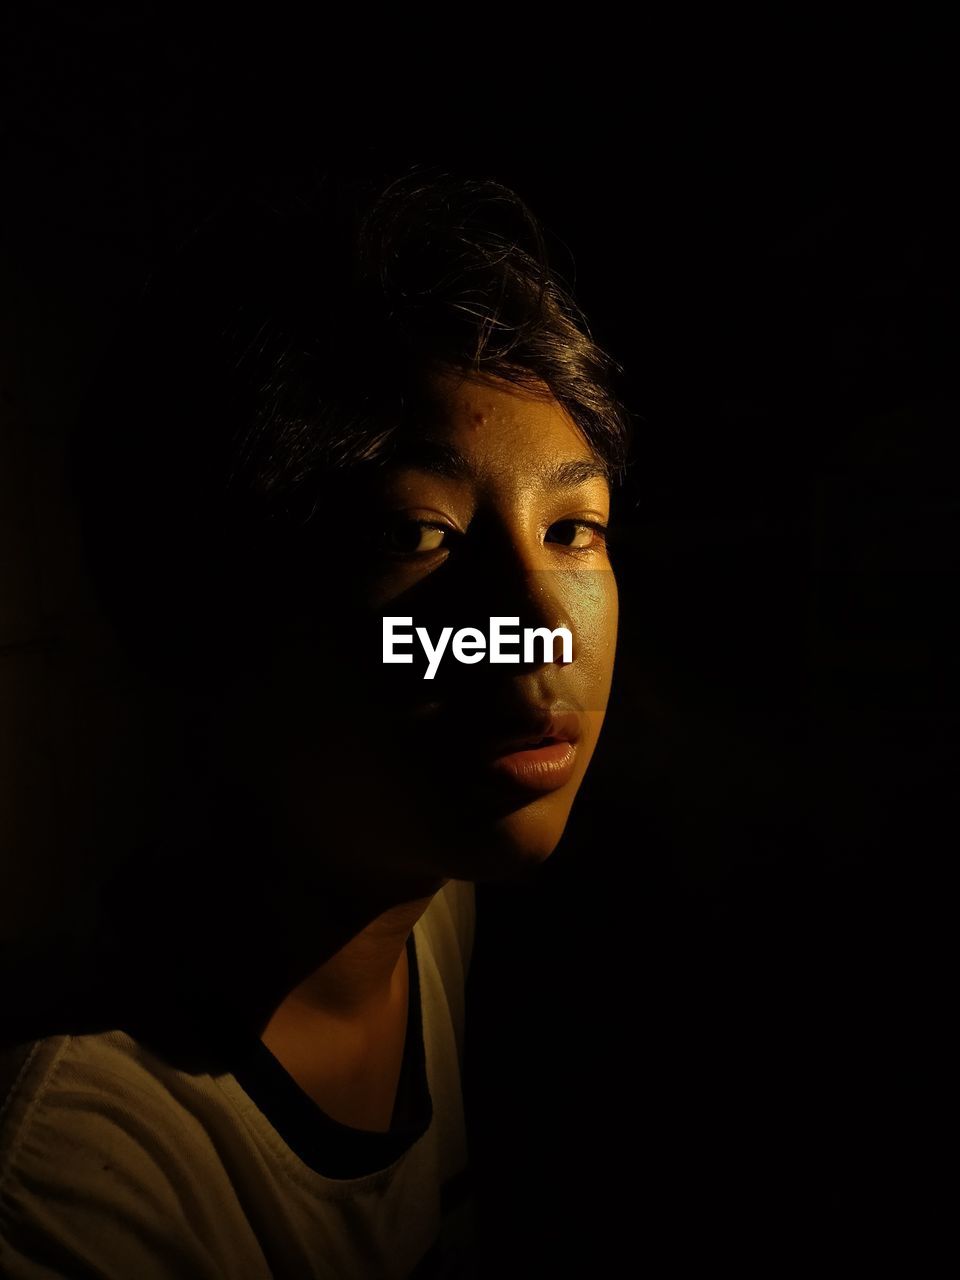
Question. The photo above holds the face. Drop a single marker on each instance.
(493, 507)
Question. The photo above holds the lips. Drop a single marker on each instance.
(537, 757)
(518, 751)
(538, 729)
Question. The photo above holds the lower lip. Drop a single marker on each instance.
(539, 769)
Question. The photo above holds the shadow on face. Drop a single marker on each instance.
(492, 505)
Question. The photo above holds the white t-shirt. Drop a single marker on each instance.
(117, 1165)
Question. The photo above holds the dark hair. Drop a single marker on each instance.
(283, 347)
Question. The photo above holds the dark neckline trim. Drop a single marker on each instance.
(326, 1146)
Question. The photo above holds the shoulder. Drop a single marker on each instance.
(86, 1111)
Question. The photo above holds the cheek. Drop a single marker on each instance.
(594, 609)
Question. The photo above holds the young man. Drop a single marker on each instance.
(369, 404)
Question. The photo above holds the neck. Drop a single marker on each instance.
(363, 972)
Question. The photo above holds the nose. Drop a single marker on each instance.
(535, 599)
(513, 579)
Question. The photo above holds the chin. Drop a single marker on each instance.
(509, 845)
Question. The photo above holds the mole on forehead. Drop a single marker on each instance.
(477, 399)
(536, 421)
(477, 410)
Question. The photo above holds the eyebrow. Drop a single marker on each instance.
(442, 459)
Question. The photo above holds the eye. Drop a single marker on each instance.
(578, 535)
(409, 537)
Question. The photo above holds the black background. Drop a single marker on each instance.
(708, 1024)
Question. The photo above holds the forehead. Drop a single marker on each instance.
(489, 426)
(492, 414)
